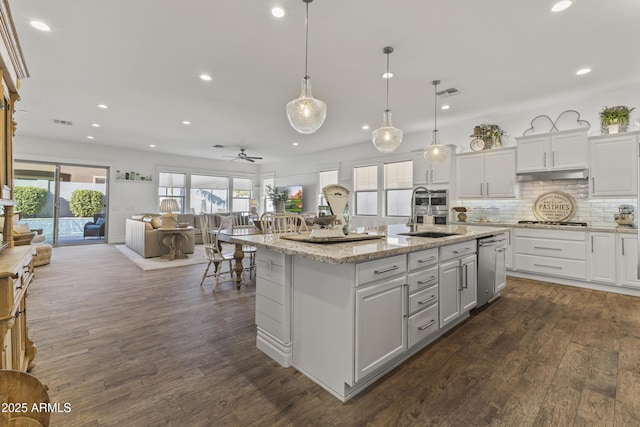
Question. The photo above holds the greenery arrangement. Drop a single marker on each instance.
(85, 202)
(615, 115)
(490, 132)
(277, 194)
(30, 200)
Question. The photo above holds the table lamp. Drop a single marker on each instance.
(167, 209)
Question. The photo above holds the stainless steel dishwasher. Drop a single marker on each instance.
(492, 276)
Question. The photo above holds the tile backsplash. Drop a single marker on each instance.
(595, 212)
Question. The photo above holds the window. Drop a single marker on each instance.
(328, 177)
(398, 183)
(209, 194)
(365, 179)
(241, 194)
(267, 203)
(172, 186)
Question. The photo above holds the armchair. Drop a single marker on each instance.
(95, 228)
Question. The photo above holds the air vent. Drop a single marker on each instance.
(218, 146)
(62, 122)
(448, 92)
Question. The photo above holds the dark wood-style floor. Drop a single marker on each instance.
(131, 348)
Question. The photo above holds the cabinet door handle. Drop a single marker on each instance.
(549, 249)
(553, 158)
(481, 193)
(487, 188)
(544, 158)
(422, 328)
(424, 282)
(466, 276)
(548, 266)
(591, 244)
(622, 244)
(386, 270)
(426, 301)
(420, 261)
(462, 250)
(593, 184)
(432, 174)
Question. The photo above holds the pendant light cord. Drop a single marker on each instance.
(306, 41)
(435, 106)
(388, 78)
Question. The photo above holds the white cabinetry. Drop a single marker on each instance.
(565, 150)
(508, 257)
(602, 258)
(627, 252)
(614, 167)
(458, 280)
(552, 252)
(486, 175)
(381, 312)
(423, 295)
(427, 173)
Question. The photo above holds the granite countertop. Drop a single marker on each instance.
(612, 229)
(391, 244)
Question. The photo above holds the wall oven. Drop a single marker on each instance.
(432, 202)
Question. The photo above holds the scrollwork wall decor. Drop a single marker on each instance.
(539, 123)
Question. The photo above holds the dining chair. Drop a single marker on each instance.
(277, 223)
(242, 220)
(214, 253)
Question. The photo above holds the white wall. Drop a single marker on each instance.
(125, 197)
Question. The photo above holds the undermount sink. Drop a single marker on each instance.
(432, 234)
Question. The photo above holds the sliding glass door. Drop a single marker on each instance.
(68, 203)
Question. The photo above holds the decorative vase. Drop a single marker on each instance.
(345, 216)
(614, 128)
(280, 207)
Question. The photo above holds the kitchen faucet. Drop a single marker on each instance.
(413, 220)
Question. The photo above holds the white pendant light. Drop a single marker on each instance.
(306, 114)
(387, 138)
(436, 152)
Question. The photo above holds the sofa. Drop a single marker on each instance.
(143, 237)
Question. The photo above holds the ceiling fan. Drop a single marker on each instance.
(243, 156)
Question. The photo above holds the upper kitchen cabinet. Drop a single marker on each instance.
(429, 174)
(490, 174)
(558, 151)
(614, 167)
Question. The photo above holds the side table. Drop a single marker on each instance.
(174, 238)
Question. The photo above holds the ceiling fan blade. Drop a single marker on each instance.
(249, 159)
(234, 157)
(255, 158)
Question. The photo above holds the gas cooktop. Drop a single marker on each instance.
(570, 223)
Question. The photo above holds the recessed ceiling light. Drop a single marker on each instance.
(186, 122)
(95, 125)
(295, 144)
(387, 75)
(365, 127)
(445, 107)
(40, 26)
(561, 5)
(278, 12)
(583, 71)
(90, 137)
(205, 77)
(103, 106)
(152, 145)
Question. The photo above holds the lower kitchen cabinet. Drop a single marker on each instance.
(458, 288)
(627, 252)
(552, 252)
(602, 258)
(381, 327)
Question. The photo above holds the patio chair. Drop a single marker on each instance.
(95, 228)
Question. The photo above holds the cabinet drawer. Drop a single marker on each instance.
(423, 259)
(423, 279)
(423, 324)
(423, 299)
(458, 249)
(270, 266)
(569, 249)
(381, 269)
(551, 234)
(552, 266)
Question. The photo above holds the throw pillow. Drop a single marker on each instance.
(21, 228)
(156, 222)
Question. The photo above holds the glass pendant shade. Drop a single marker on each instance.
(386, 138)
(436, 152)
(306, 114)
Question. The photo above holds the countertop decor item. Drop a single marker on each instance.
(278, 196)
(436, 152)
(615, 119)
(306, 114)
(387, 138)
(487, 136)
(625, 215)
(554, 206)
(567, 120)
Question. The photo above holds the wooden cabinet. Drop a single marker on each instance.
(565, 150)
(381, 327)
(614, 165)
(427, 173)
(627, 253)
(602, 258)
(16, 273)
(486, 175)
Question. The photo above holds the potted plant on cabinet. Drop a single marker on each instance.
(278, 196)
(615, 119)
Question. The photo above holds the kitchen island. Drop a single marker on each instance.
(344, 314)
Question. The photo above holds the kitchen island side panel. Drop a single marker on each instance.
(323, 322)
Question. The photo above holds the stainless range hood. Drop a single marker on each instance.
(550, 175)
